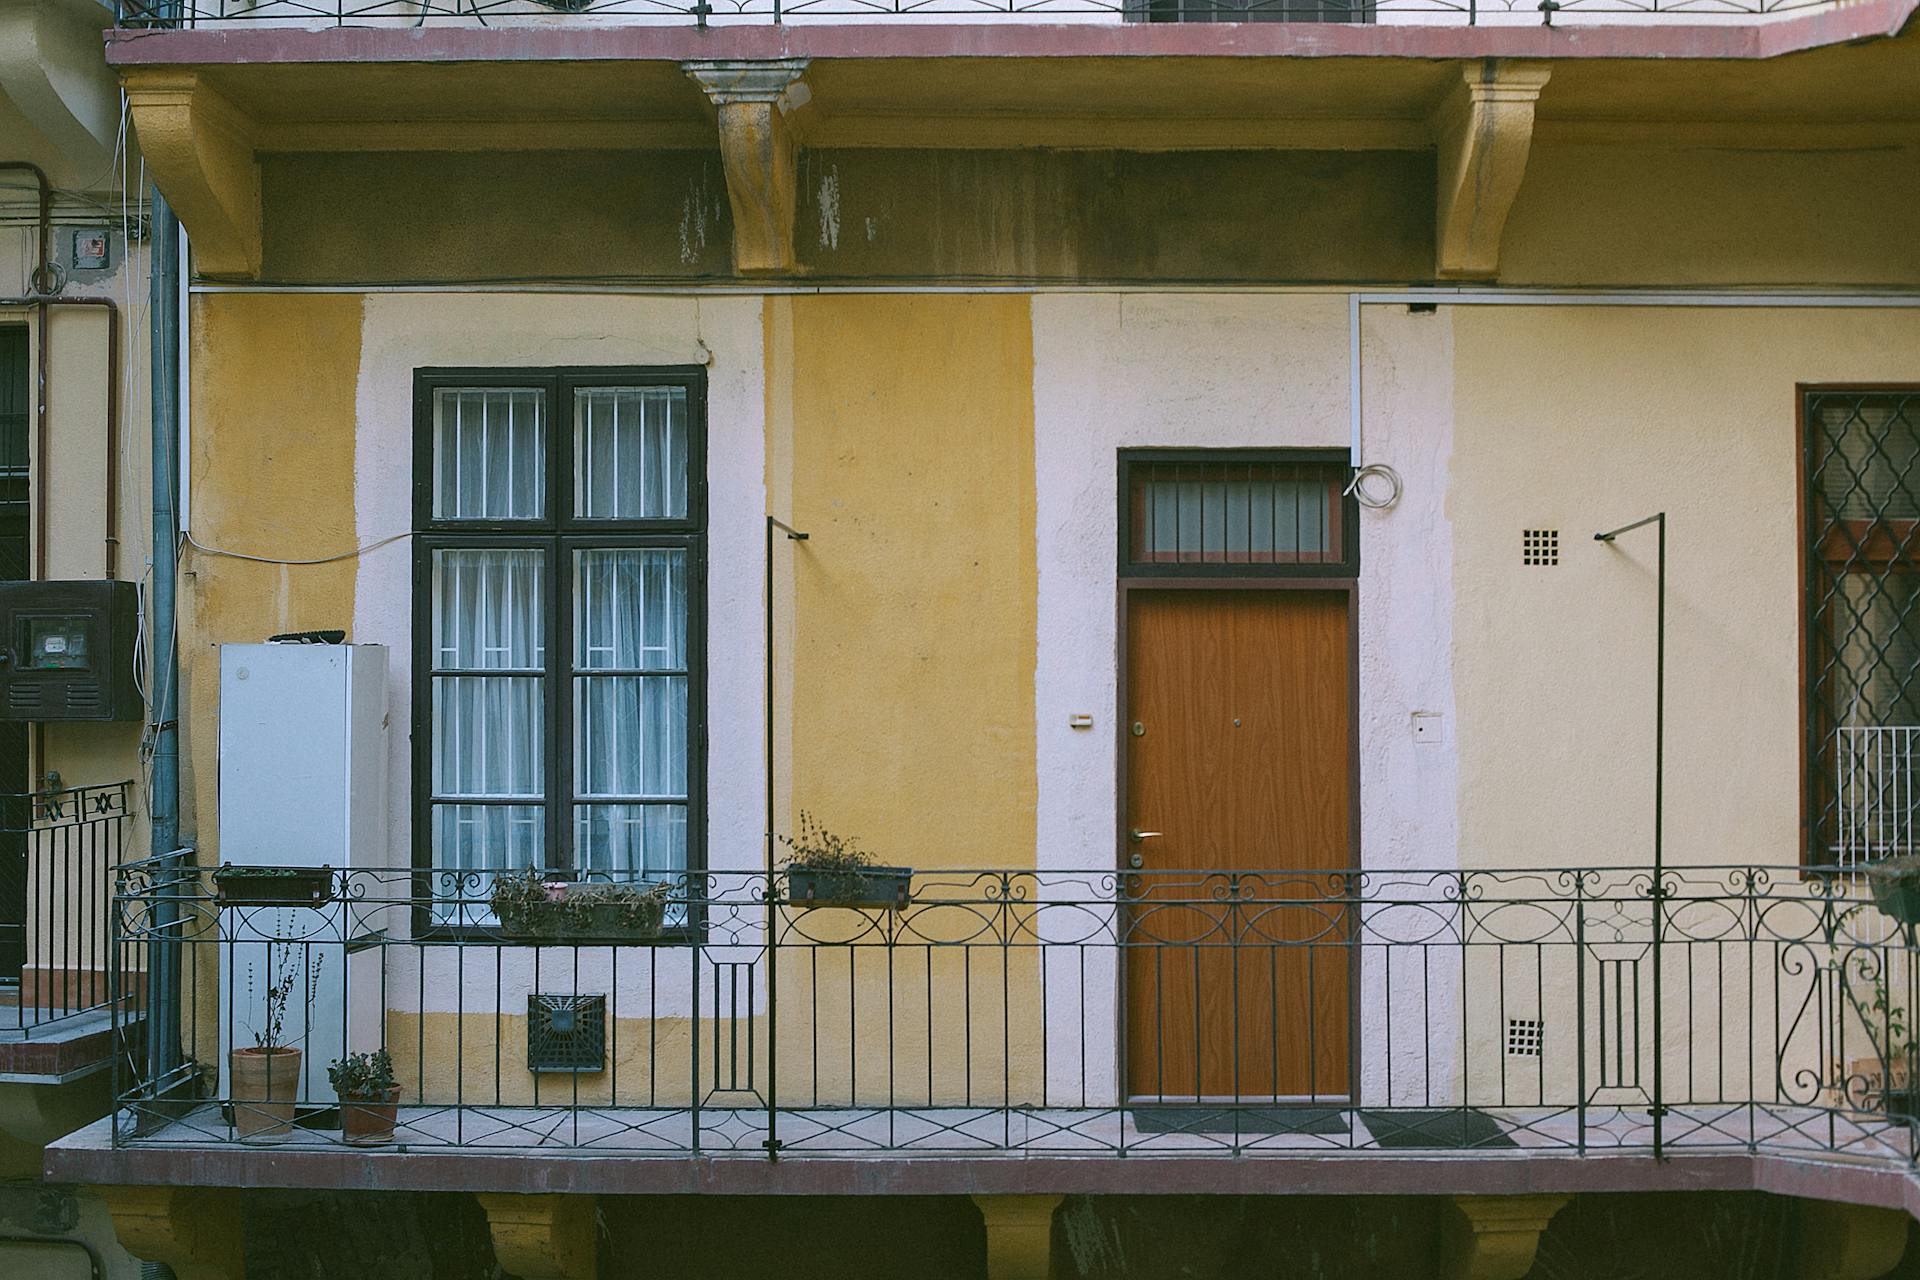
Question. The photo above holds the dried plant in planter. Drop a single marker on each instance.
(265, 1078)
(528, 905)
(827, 869)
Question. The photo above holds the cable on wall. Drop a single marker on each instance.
(355, 553)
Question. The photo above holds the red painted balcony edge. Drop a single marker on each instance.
(1731, 39)
(87, 1157)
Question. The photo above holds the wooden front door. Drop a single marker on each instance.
(1239, 740)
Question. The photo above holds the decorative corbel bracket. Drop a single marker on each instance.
(544, 1237)
(1850, 1241)
(194, 1230)
(200, 149)
(1494, 1237)
(1019, 1235)
(754, 102)
(1483, 130)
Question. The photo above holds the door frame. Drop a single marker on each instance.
(1342, 578)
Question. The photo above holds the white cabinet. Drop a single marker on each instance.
(303, 771)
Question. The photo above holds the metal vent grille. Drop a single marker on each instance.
(1539, 546)
(1524, 1037)
(566, 1033)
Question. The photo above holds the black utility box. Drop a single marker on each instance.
(67, 650)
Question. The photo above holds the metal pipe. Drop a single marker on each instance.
(1657, 891)
(773, 897)
(163, 803)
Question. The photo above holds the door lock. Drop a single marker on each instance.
(1136, 861)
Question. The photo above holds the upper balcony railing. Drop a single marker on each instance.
(1040, 1013)
(510, 13)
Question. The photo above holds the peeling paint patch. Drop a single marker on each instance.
(830, 209)
(694, 218)
(873, 230)
(1094, 1241)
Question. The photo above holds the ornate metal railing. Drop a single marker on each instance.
(1057, 1012)
(58, 853)
(296, 13)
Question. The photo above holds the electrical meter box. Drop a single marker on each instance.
(67, 650)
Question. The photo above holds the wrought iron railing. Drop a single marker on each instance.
(58, 854)
(1060, 1013)
(296, 13)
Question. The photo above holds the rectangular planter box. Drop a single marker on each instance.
(875, 888)
(606, 924)
(273, 886)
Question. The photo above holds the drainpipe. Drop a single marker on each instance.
(163, 803)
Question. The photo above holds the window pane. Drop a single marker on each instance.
(489, 449)
(630, 453)
(489, 730)
(632, 839)
(630, 736)
(488, 737)
(489, 610)
(488, 837)
(630, 609)
(1234, 513)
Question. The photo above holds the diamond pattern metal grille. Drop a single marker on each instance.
(1863, 600)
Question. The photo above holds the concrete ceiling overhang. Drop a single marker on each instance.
(208, 104)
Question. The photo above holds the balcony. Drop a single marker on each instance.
(701, 13)
(58, 962)
(1214, 1021)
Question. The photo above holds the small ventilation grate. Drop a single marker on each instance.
(1523, 1037)
(566, 1033)
(1539, 546)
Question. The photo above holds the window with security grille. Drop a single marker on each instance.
(558, 565)
(1862, 503)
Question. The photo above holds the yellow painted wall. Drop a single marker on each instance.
(914, 609)
(1583, 419)
(272, 475)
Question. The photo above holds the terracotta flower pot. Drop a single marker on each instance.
(368, 1122)
(265, 1084)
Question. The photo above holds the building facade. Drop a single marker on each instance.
(1142, 481)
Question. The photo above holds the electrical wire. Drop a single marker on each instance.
(355, 553)
(1374, 499)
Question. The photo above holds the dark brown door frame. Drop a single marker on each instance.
(1130, 578)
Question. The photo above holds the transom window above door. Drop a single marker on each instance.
(1240, 512)
(558, 637)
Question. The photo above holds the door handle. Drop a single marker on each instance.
(1136, 835)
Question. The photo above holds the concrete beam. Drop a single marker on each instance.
(1019, 1235)
(1494, 1237)
(51, 69)
(757, 144)
(1849, 1241)
(544, 1237)
(201, 153)
(1483, 130)
(194, 1230)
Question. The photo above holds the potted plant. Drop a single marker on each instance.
(825, 869)
(1888, 1080)
(265, 1078)
(1895, 883)
(369, 1097)
(273, 886)
(532, 907)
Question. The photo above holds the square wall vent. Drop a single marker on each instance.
(566, 1033)
(1523, 1037)
(1539, 546)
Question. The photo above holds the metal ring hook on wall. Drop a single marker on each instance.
(1373, 497)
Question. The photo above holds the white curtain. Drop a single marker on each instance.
(630, 452)
(630, 710)
(489, 453)
(489, 656)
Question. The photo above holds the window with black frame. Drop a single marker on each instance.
(557, 633)
(1862, 503)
